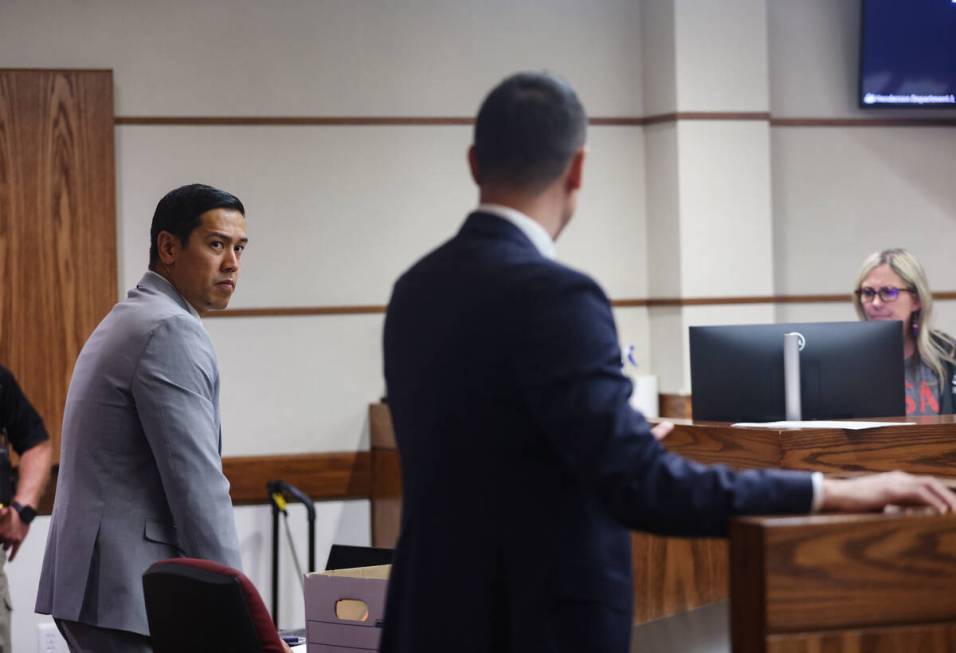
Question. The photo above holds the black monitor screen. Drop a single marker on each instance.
(847, 370)
(908, 53)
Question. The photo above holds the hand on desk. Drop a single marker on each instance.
(875, 492)
(661, 430)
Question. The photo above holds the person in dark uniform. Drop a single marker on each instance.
(22, 429)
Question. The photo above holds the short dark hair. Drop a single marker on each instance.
(527, 131)
(180, 210)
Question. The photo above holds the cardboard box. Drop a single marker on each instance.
(345, 609)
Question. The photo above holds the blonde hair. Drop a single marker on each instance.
(932, 346)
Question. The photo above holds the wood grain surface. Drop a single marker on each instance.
(57, 225)
(929, 638)
(322, 476)
(837, 576)
(674, 574)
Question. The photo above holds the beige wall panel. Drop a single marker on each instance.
(666, 325)
(297, 384)
(663, 211)
(335, 214)
(816, 312)
(840, 194)
(329, 57)
(303, 384)
(725, 204)
(814, 57)
(721, 55)
(659, 56)
(607, 237)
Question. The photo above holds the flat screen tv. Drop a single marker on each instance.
(847, 370)
(908, 53)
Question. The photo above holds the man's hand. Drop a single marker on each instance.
(869, 493)
(12, 531)
(661, 430)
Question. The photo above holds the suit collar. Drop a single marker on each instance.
(486, 224)
(529, 227)
(160, 284)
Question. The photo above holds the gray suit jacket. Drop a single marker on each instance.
(140, 468)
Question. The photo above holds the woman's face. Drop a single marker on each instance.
(899, 309)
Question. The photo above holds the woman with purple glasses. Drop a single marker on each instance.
(893, 286)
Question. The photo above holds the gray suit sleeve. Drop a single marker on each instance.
(175, 388)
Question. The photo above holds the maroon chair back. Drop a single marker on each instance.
(196, 606)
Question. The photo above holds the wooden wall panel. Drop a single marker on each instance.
(870, 582)
(57, 225)
(934, 638)
(673, 575)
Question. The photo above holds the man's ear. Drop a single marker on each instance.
(168, 247)
(473, 165)
(575, 173)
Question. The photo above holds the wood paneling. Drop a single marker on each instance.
(386, 488)
(57, 225)
(594, 121)
(322, 476)
(652, 302)
(927, 447)
(674, 405)
(843, 583)
(863, 122)
(932, 638)
(674, 575)
(826, 572)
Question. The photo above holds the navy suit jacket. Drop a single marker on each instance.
(523, 464)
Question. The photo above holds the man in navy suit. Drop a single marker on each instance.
(523, 463)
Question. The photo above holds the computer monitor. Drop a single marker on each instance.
(847, 370)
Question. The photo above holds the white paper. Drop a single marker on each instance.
(821, 424)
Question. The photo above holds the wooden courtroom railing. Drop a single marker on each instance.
(673, 575)
(843, 584)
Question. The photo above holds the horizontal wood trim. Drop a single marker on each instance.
(294, 121)
(653, 302)
(322, 476)
(862, 122)
(341, 121)
(706, 115)
(594, 121)
(299, 310)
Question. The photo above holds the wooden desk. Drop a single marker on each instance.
(672, 575)
(843, 583)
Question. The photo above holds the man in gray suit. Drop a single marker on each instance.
(140, 468)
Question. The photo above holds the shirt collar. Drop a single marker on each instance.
(530, 228)
(157, 278)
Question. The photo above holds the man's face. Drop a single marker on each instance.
(205, 270)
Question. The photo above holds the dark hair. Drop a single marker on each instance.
(180, 210)
(527, 131)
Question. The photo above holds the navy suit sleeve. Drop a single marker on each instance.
(569, 369)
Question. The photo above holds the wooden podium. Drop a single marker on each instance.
(673, 575)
